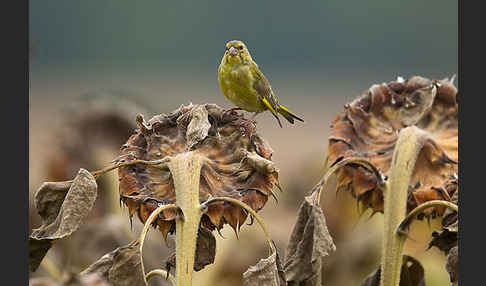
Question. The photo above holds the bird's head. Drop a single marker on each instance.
(236, 52)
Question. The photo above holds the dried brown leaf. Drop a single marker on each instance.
(37, 250)
(446, 240)
(450, 219)
(121, 267)
(49, 198)
(448, 236)
(452, 265)
(198, 126)
(267, 272)
(310, 241)
(63, 207)
(443, 240)
(205, 251)
(411, 274)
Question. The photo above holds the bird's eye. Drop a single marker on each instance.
(240, 47)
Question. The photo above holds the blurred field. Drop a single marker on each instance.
(299, 152)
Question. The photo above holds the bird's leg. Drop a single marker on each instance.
(248, 125)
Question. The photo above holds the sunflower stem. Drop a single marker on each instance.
(186, 170)
(410, 142)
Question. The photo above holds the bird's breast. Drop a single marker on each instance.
(237, 86)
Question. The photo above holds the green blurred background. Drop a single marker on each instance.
(318, 55)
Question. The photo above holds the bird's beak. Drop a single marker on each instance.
(233, 51)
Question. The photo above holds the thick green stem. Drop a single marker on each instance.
(186, 170)
(410, 142)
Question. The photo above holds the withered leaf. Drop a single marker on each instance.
(443, 240)
(267, 272)
(446, 240)
(452, 264)
(411, 274)
(63, 207)
(37, 250)
(205, 251)
(419, 104)
(450, 219)
(198, 127)
(121, 267)
(448, 236)
(49, 199)
(310, 241)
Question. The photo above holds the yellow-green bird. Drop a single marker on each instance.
(244, 85)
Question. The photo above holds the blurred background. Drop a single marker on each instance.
(95, 64)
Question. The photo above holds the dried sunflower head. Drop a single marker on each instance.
(368, 129)
(235, 165)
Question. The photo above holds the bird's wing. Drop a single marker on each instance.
(263, 88)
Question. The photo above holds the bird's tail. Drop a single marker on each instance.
(289, 115)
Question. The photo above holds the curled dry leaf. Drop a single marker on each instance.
(205, 251)
(310, 241)
(411, 274)
(368, 129)
(447, 238)
(267, 272)
(234, 165)
(450, 219)
(452, 265)
(63, 207)
(121, 267)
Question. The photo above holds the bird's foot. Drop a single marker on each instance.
(247, 126)
(231, 111)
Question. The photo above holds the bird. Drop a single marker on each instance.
(244, 85)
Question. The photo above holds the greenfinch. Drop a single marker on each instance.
(244, 85)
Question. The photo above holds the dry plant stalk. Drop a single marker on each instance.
(409, 144)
